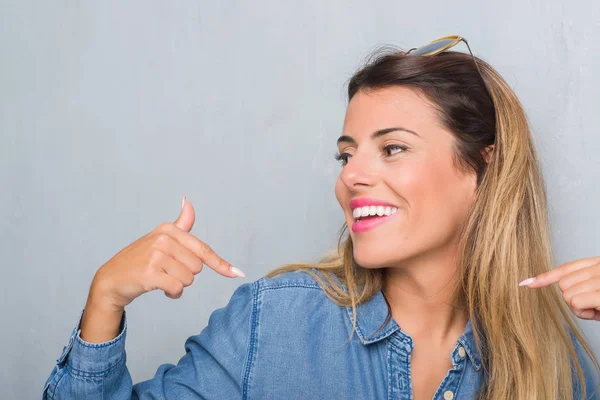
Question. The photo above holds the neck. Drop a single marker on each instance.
(421, 293)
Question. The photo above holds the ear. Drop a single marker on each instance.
(487, 153)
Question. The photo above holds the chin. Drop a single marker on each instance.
(370, 259)
(382, 254)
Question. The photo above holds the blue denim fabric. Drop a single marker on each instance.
(277, 338)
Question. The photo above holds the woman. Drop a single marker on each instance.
(441, 188)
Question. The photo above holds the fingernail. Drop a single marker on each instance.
(527, 282)
(237, 272)
(182, 202)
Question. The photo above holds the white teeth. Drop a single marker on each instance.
(372, 211)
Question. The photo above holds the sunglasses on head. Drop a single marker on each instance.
(439, 46)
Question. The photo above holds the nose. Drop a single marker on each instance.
(359, 173)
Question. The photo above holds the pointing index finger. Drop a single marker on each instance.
(204, 252)
(556, 274)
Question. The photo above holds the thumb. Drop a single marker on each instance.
(186, 217)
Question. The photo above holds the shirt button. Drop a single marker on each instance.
(448, 395)
(461, 352)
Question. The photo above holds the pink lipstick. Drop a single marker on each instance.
(366, 223)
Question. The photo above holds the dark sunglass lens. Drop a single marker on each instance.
(428, 48)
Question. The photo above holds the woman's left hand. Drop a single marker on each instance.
(579, 281)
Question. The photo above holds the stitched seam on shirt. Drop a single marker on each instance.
(390, 369)
(409, 374)
(252, 343)
(59, 375)
(400, 349)
(359, 332)
(462, 375)
(471, 353)
(288, 285)
(119, 337)
(91, 375)
(382, 334)
(98, 345)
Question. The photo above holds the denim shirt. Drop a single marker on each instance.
(277, 338)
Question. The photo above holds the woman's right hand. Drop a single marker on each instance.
(167, 258)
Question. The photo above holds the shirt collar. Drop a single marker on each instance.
(371, 315)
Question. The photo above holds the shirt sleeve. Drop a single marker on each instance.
(215, 364)
(591, 377)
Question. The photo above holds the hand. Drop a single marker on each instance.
(579, 281)
(166, 258)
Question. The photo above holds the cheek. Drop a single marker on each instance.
(340, 193)
(418, 184)
(433, 190)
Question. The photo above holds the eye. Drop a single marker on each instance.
(342, 157)
(392, 149)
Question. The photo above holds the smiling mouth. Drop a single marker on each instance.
(371, 212)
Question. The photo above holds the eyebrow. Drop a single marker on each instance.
(376, 134)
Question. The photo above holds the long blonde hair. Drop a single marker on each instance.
(528, 352)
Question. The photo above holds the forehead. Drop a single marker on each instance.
(370, 110)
